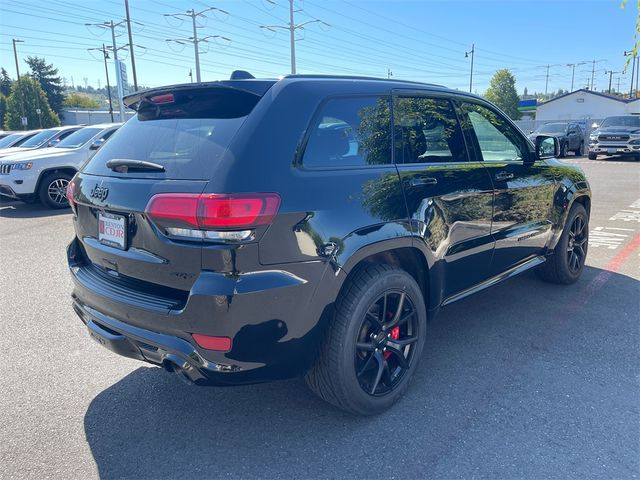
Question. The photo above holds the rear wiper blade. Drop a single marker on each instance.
(124, 165)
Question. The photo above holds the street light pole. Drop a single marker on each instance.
(633, 69)
(466, 55)
(610, 78)
(15, 55)
(573, 71)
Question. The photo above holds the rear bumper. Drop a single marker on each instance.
(274, 318)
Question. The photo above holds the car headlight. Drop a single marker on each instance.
(635, 141)
(22, 166)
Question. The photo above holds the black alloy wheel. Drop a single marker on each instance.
(384, 346)
(577, 246)
(374, 342)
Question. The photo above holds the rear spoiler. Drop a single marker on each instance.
(252, 86)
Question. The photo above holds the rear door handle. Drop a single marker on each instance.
(419, 181)
(503, 176)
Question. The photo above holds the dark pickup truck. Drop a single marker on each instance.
(569, 135)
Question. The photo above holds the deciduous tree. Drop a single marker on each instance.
(502, 92)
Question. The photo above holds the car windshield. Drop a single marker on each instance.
(39, 139)
(552, 128)
(622, 121)
(9, 139)
(79, 138)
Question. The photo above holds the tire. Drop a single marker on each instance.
(52, 190)
(580, 150)
(356, 369)
(592, 156)
(566, 263)
(563, 150)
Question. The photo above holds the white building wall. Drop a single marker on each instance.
(583, 106)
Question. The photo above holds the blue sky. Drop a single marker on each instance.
(417, 40)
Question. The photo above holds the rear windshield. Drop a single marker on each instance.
(39, 139)
(79, 138)
(9, 139)
(187, 133)
(552, 128)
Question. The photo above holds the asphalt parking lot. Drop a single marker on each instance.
(525, 380)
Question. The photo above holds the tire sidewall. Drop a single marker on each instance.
(561, 249)
(361, 401)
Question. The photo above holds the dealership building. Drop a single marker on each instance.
(585, 105)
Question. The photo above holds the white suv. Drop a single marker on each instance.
(45, 173)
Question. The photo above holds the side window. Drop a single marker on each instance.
(64, 135)
(106, 136)
(350, 132)
(497, 139)
(426, 131)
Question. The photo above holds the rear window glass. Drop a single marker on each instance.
(187, 136)
(8, 140)
(79, 138)
(39, 138)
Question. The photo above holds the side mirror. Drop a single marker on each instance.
(530, 132)
(547, 147)
(572, 132)
(54, 142)
(97, 144)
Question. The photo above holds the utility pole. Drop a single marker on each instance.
(573, 70)
(610, 78)
(292, 27)
(195, 40)
(15, 55)
(389, 73)
(112, 26)
(633, 69)
(133, 60)
(546, 83)
(105, 54)
(618, 89)
(466, 55)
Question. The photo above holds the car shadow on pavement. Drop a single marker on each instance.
(525, 380)
(15, 209)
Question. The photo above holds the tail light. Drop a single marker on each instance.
(212, 216)
(71, 191)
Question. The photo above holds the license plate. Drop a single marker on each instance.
(612, 150)
(112, 230)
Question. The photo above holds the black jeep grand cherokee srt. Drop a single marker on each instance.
(251, 230)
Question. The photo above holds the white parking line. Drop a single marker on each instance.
(598, 237)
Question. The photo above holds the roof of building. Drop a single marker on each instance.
(599, 94)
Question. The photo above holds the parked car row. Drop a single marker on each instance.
(37, 165)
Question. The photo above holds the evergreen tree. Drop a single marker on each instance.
(49, 80)
(28, 92)
(3, 108)
(5, 82)
(502, 92)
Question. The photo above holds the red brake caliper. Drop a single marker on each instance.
(395, 335)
